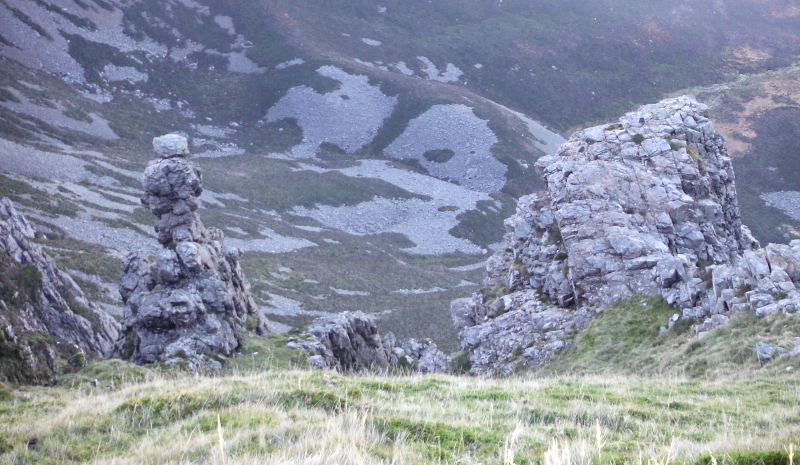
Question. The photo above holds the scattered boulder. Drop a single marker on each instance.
(46, 322)
(766, 352)
(422, 356)
(193, 302)
(644, 206)
(769, 352)
(349, 342)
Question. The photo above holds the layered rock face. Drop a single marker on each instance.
(194, 301)
(45, 318)
(350, 342)
(644, 206)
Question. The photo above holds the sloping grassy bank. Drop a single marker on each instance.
(267, 414)
(630, 336)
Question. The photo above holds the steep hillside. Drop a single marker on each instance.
(288, 168)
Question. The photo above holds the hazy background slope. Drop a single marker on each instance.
(562, 62)
(363, 154)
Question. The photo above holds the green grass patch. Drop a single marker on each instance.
(161, 410)
(438, 419)
(111, 373)
(623, 337)
(483, 226)
(442, 441)
(747, 457)
(313, 399)
(274, 185)
(627, 337)
(267, 353)
(5, 392)
(234, 418)
(460, 363)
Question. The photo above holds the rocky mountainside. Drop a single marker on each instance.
(47, 325)
(645, 206)
(308, 159)
(194, 302)
(362, 156)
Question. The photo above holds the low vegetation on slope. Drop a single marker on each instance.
(630, 336)
(318, 417)
(268, 408)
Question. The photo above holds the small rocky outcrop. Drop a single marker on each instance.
(46, 323)
(644, 206)
(350, 342)
(768, 352)
(193, 303)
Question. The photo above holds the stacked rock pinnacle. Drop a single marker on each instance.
(644, 206)
(194, 301)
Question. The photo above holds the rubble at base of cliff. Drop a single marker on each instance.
(645, 206)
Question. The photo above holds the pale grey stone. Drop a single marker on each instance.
(769, 352)
(171, 145)
(595, 134)
(317, 362)
(349, 342)
(757, 266)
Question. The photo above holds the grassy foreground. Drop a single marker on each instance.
(279, 415)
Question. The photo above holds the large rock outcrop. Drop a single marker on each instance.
(644, 206)
(193, 303)
(349, 342)
(46, 323)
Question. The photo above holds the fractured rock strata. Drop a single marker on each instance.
(45, 317)
(644, 206)
(350, 342)
(193, 302)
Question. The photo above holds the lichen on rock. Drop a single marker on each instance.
(644, 206)
(193, 302)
